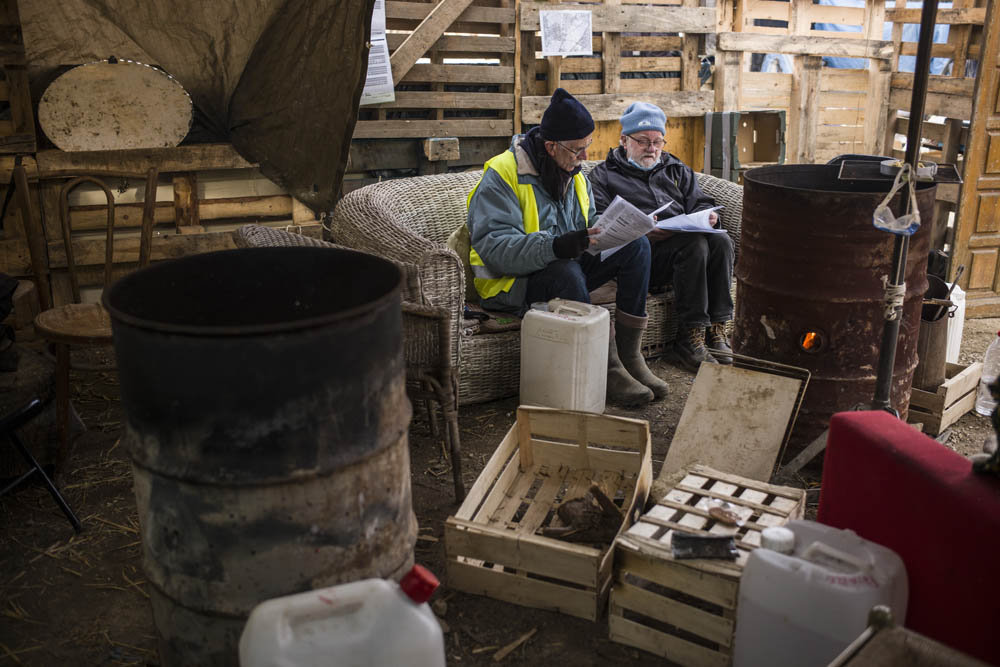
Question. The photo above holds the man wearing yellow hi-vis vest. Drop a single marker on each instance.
(530, 220)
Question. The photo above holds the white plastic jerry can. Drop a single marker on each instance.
(564, 356)
(805, 594)
(373, 622)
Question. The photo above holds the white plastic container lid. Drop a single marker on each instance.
(778, 538)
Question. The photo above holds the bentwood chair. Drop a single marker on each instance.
(76, 323)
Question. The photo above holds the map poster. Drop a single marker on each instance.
(566, 33)
(378, 84)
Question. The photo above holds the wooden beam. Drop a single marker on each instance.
(631, 18)
(807, 45)
(728, 80)
(971, 15)
(421, 129)
(876, 105)
(610, 107)
(418, 11)
(949, 106)
(136, 162)
(611, 57)
(944, 85)
(459, 74)
(464, 44)
(414, 99)
(690, 64)
(806, 100)
(186, 214)
(423, 38)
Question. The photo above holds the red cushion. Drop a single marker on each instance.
(893, 485)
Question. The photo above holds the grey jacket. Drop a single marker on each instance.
(496, 228)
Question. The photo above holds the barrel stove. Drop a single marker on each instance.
(810, 285)
(266, 417)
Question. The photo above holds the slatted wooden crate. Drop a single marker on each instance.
(955, 397)
(493, 544)
(685, 610)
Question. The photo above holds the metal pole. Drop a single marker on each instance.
(890, 332)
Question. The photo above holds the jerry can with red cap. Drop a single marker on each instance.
(369, 622)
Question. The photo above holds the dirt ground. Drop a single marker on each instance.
(82, 599)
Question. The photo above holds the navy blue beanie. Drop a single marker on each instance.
(565, 119)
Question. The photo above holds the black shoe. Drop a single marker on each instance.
(718, 344)
(689, 351)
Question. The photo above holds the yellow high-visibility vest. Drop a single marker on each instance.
(488, 284)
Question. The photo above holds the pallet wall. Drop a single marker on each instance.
(949, 98)
(648, 52)
(829, 111)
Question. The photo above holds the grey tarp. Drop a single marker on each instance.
(280, 79)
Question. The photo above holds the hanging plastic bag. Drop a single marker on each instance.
(886, 220)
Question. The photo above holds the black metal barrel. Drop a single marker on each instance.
(810, 290)
(266, 417)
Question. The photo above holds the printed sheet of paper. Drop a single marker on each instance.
(566, 33)
(620, 223)
(691, 222)
(378, 83)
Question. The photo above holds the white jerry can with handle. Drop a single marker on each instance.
(805, 594)
(366, 623)
(564, 356)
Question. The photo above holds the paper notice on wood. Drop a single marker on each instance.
(378, 84)
(566, 33)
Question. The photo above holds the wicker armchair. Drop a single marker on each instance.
(409, 220)
(427, 342)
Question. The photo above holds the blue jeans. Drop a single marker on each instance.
(574, 279)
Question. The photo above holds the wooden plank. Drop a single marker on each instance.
(126, 249)
(443, 14)
(419, 129)
(523, 552)
(677, 650)
(949, 106)
(945, 85)
(970, 15)
(418, 11)
(456, 45)
(643, 562)
(521, 590)
(728, 81)
(416, 99)
(22, 117)
(806, 101)
(611, 58)
(691, 64)
(600, 429)
(807, 45)
(630, 18)
(459, 74)
(136, 162)
(713, 627)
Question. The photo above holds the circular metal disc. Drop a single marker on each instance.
(104, 106)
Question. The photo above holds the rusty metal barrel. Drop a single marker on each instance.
(266, 418)
(810, 290)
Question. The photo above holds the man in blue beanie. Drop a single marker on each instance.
(699, 265)
(530, 220)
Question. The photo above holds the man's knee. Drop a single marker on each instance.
(638, 250)
(719, 243)
(565, 278)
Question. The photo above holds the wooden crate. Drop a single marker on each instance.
(956, 396)
(685, 610)
(493, 545)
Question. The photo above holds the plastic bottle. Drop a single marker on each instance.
(991, 369)
(360, 624)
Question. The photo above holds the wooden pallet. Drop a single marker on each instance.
(685, 610)
(493, 545)
(955, 397)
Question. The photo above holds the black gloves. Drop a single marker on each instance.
(571, 245)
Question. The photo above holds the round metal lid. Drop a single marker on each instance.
(113, 106)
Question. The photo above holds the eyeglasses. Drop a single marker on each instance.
(579, 153)
(645, 143)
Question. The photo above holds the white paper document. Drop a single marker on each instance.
(622, 223)
(566, 33)
(378, 83)
(691, 222)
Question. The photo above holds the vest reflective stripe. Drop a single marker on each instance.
(488, 284)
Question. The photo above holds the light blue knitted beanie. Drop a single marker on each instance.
(640, 116)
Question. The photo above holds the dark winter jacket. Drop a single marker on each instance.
(670, 180)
